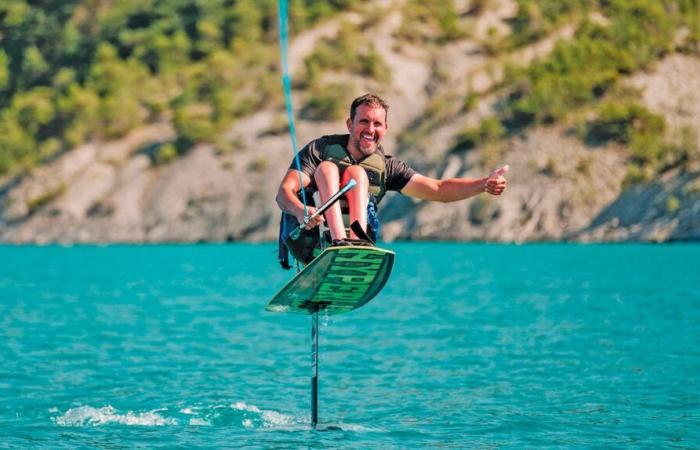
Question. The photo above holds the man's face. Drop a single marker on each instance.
(367, 129)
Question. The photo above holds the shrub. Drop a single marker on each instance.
(4, 70)
(327, 102)
(673, 204)
(164, 154)
(436, 21)
(489, 130)
(650, 154)
(349, 51)
(78, 113)
(193, 123)
(534, 19)
(34, 110)
(470, 101)
(621, 121)
(41, 200)
(17, 146)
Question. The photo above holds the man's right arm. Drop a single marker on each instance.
(288, 200)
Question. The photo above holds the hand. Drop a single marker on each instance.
(313, 223)
(496, 182)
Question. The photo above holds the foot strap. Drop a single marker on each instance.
(360, 232)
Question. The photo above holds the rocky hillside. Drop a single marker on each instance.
(563, 183)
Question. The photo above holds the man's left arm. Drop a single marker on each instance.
(454, 189)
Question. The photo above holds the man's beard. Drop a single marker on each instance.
(367, 150)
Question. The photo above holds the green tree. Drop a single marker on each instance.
(4, 70)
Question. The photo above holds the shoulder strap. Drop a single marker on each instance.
(334, 147)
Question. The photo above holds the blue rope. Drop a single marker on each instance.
(287, 86)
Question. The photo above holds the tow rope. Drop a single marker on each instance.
(283, 8)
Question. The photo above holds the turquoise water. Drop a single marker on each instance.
(468, 346)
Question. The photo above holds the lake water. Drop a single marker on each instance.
(468, 346)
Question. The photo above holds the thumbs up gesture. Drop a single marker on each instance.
(496, 182)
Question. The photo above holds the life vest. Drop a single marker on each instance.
(334, 150)
(374, 164)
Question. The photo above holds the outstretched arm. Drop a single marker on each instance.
(453, 189)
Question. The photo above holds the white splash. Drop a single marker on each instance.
(269, 418)
(243, 406)
(88, 416)
(278, 308)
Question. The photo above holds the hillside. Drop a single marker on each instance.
(595, 106)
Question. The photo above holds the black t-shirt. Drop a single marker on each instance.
(397, 173)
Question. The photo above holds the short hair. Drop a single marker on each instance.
(370, 100)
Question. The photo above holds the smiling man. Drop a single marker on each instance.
(330, 162)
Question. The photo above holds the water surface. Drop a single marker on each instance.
(468, 346)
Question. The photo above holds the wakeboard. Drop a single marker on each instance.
(337, 281)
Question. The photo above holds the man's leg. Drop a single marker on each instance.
(358, 196)
(327, 180)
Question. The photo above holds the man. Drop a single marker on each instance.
(330, 162)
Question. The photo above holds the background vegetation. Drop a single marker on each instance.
(581, 76)
(76, 70)
(71, 70)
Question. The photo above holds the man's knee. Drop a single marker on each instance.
(327, 172)
(355, 172)
(326, 166)
(326, 169)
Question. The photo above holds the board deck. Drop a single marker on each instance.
(339, 280)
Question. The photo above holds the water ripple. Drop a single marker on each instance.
(468, 346)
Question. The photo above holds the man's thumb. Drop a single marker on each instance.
(499, 172)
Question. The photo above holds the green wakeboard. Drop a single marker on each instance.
(339, 280)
